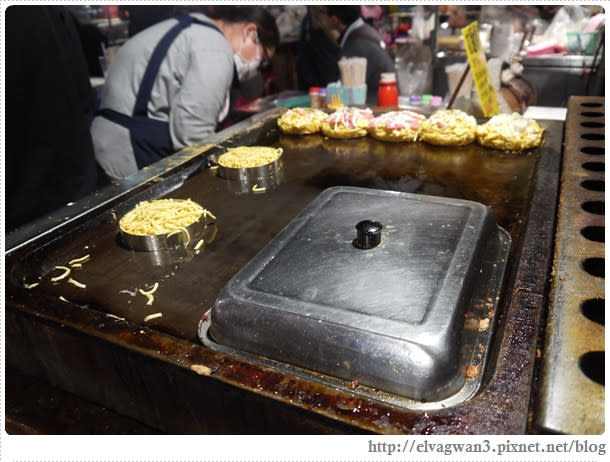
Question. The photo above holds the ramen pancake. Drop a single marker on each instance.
(449, 127)
(396, 126)
(161, 216)
(510, 132)
(347, 122)
(249, 156)
(301, 121)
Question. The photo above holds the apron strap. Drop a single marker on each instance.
(154, 63)
(116, 116)
(150, 138)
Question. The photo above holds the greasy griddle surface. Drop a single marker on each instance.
(189, 284)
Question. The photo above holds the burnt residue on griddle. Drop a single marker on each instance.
(468, 172)
(505, 183)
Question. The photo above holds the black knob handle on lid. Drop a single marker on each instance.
(368, 234)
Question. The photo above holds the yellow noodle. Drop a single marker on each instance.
(151, 291)
(161, 216)
(63, 275)
(150, 317)
(76, 283)
(249, 156)
(115, 317)
(182, 230)
(79, 260)
(150, 297)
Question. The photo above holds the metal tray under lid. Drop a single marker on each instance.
(394, 320)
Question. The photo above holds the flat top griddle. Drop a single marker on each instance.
(190, 282)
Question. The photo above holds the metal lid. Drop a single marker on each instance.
(389, 315)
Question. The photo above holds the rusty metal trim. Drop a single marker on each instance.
(571, 397)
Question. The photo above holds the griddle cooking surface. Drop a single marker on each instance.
(189, 285)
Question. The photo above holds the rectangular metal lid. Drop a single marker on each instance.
(390, 317)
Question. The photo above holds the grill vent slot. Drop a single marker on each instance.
(571, 396)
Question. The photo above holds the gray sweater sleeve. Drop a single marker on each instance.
(202, 94)
(190, 91)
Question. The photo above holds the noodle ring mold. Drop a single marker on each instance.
(266, 175)
(178, 238)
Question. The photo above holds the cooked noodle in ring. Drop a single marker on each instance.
(161, 216)
(249, 156)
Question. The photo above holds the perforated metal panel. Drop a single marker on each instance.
(572, 392)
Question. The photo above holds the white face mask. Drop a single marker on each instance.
(246, 69)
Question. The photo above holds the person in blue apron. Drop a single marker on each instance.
(170, 85)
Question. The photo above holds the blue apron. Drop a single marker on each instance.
(150, 138)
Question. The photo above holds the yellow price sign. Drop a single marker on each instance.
(478, 67)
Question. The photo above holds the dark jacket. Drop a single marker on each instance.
(317, 56)
(365, 42)
(49, 152)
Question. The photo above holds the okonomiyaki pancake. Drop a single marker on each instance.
(396, 126)
(347, 122)
(449, 127)
(510, 132)
(301, 121)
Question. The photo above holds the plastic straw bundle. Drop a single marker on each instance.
(353, 72)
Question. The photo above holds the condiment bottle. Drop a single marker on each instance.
(314, 97)
(387, 94)
(436, 102)
(322, 96)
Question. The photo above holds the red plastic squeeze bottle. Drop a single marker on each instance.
(387, 94)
